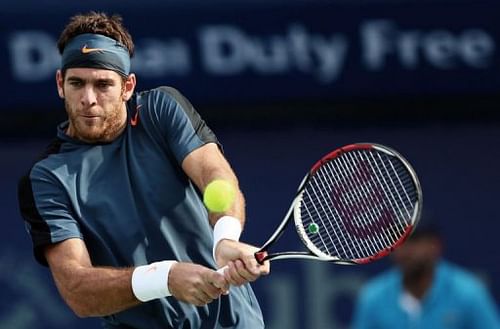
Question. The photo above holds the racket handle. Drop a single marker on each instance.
(222, 269)
(260, 256)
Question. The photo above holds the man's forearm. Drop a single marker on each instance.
(96, 291)
(236, 210)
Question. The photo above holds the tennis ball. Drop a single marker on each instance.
(219, 195)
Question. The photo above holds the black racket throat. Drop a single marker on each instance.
(262, 255)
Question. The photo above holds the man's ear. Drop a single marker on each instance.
(129, 87)
(60, 83)
(437, 249)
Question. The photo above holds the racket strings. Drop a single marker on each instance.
(382, 207)
(383, 178)
(337, 211)
(327, 244)
(365, 203)
(362, 202)
(330, 239)
(367, 208)
(397, 190)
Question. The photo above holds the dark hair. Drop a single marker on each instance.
(428, 226)
(97, 23)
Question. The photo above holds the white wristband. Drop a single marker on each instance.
(227, 227)
(151, 281)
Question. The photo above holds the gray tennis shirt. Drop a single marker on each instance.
(132, 204)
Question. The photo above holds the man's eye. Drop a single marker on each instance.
(104, 85)
(75, 83)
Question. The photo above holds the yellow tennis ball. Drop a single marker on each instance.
(219, 195)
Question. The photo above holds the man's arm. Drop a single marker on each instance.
(362, 318)
(481, 307)
(207, 163)
(203, 165)
(88, 291)
(101, 291)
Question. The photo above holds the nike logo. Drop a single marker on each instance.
(135, 119)
(86, 50)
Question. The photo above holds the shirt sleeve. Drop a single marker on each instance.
(46, 210)
(182, 126)
(483, 312)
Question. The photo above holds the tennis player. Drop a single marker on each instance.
(424, 290)
(113, 205)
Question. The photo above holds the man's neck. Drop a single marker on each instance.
(418, 286)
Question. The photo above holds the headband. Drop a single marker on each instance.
(96, 51)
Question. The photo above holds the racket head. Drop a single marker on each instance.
(357, 204)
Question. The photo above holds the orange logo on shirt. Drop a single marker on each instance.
(135, 119)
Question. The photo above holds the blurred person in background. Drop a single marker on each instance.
(424, 291)
(113, 205)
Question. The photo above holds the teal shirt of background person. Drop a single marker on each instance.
(456, 300)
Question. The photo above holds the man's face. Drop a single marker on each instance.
(418, 255)
(95, 103)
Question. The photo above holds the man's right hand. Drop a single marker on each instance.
(242, 267)
(196, 284)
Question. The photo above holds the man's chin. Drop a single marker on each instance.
(90, 135)
(418, 269)
(96, 131)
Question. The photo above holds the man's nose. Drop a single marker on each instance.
(89, 96)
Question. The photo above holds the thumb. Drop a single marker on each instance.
(218, 280)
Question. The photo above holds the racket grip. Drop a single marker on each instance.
(222, 269)
(260, 256)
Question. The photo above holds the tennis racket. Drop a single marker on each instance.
(356, 205)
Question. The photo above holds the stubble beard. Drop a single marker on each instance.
(109, 128)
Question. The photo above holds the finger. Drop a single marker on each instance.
(211, 290)
(236, 273)
(219, 281)
(265, 268)
(248, 275)
(195, 298)
(245, 273)
(203, 297)
(251, 265)
(231, 274)
(198, 301)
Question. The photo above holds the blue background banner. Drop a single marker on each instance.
(253, 52)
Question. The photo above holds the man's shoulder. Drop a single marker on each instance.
(464, 280)
(160, 93)
(162, 101)
(43, 166)
(381, 284)
(48, 154)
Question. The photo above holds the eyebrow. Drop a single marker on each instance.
(99, 80)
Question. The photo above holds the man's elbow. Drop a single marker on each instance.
(81, 310)
(85, 307)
